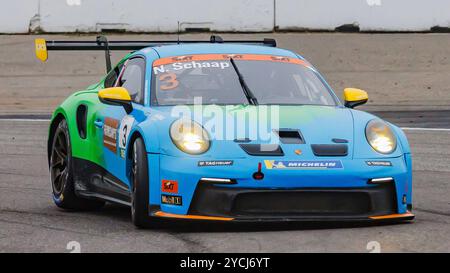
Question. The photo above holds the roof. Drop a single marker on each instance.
(217, 48)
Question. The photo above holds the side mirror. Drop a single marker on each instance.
(116, 96)
(354, 97)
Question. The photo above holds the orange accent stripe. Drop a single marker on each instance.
(219, 57)
(391, 216)
(195, 217)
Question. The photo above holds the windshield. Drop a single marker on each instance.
(212, 77)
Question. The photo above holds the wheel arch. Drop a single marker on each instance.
(136, 134)
(58, 116)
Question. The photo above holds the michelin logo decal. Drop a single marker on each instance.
(304, 164)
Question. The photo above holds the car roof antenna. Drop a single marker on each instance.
(104, 40)
(178, 33)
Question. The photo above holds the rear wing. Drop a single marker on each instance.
(101, 43)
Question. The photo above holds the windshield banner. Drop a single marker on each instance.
(226, 57)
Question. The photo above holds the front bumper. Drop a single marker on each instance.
(283, 195)
(218, 203)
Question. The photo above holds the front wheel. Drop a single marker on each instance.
(140, 188)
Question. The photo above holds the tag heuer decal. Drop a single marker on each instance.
(215, 163)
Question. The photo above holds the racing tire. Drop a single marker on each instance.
(61, 173)
(140, 187)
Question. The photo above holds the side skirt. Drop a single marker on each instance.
(94, 182)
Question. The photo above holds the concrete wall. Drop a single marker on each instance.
(369, 15)
(16, 15)
(157, 15)
(140, 16)
(22, 16)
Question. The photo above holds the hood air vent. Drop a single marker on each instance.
(330, 149)
(262, 149)
(290, 136)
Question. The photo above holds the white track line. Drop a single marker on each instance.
(24, 119)
(403, 128)
(425, 129)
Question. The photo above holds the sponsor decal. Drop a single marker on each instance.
(379, 163)
(171, 200)
(215, 163)
(182, 58)
(124, 132)
(280, 59)
(303, 164)
(234, 56)
(169, 186)
(110, 134)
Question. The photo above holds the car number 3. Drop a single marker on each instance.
(124, 134)
(170, 81)
(124, 130)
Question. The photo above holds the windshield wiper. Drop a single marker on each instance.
(250, 97)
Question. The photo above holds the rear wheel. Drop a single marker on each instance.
(140, 188)
(61, 173)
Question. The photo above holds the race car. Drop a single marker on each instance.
(239, 131)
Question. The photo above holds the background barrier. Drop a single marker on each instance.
(23, 16)
(368, 15)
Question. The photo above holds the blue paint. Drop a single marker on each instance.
(318, 125)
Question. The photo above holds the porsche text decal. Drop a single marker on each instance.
(110, 134)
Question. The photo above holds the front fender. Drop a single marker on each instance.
(402, 139)
(362, 148)
(148, 129)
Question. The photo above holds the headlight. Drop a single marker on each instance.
(189, 137)
(380, 136)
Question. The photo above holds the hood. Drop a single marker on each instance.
(259, 125)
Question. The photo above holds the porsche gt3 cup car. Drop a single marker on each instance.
(223, 131)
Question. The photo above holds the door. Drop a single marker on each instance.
(115, 124)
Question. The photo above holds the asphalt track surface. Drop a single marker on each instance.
(30, 222)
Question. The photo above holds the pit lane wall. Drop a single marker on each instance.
(26, 16)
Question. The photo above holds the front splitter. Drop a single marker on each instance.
(319, 218)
